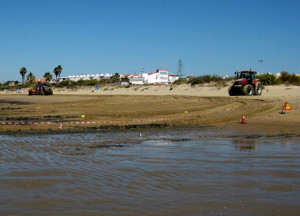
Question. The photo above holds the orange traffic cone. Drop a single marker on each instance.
(243, 120)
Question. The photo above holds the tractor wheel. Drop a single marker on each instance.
(43, 92)
(248, 90)
(232, 91)
(50, 92)
(258, 88)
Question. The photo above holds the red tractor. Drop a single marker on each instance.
(41, 89)
(246, 84)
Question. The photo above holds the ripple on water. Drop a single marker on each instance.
(170, 172)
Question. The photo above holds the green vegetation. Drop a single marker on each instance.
(205, 79)
(93, 82)
(115, 78)
(48, 76)
(66, 83)
(105, 81)
(180, 81)
(57, 71)
(269, 79)
(87, 82)
(14, 85)
(125, 79)
(195, 81)
(23, 71)
(287, 78)
(284, 78)
(30, 77)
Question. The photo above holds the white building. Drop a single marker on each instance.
(161, 76)
(136, 79)
(86, 77)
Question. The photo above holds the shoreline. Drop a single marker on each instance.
(234, 131)
(102, 129)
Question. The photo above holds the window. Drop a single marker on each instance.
(163, 73)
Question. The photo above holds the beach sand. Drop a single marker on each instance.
(171, 105)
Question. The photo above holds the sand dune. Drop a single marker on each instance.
(184, 89)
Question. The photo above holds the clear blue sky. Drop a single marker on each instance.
(124, 36)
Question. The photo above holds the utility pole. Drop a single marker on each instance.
(180, 69)
(260, 62)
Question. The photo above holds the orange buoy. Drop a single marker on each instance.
(243, 120)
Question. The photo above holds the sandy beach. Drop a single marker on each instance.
(171, 105)
(154, 151)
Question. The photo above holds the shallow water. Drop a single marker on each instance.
(170, 172)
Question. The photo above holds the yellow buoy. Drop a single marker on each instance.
(82, 116)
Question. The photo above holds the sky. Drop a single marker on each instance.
(216, 37)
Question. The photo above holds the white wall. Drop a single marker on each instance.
(138, 79)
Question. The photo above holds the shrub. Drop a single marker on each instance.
(105, 81)
(285, 76)
(196, 80)
(205, 79)
(180, 81)
(269, 79)
(7, 85)
(66, 83)
(209, 78)
(295, 79)
(125, 79)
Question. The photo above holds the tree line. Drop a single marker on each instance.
(48, 76)
(267, 79)
(116, 78)
(284, 78)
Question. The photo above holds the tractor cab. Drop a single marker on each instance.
(248, 75)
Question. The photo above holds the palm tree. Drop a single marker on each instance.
(57, 71)
(30, 77)
(23, 71)
(48, 76)
(59, 68)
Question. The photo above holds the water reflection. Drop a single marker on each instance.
(246, 144)
(174, 172)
